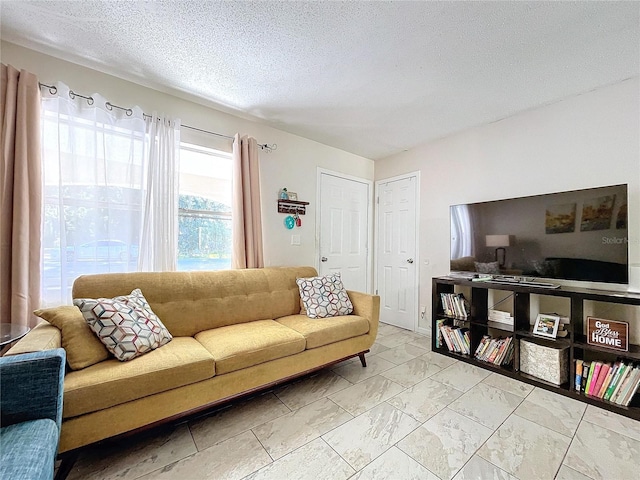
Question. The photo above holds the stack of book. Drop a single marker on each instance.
(617, 382)
(500, 317)
(457, 339)
(498, 351)
(562, 327)
(455, 305)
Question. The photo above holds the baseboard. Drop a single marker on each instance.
(424, 331)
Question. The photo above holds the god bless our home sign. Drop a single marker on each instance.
(608, 333)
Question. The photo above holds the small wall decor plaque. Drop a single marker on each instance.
(608, 333)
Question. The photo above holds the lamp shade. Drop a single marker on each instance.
(498, 240)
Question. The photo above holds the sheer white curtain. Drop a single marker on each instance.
(93, 159)
(159, 242)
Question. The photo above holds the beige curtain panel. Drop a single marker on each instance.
(247, 217)
(21, 194)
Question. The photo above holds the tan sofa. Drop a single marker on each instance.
(234, 332)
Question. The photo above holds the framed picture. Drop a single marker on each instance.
(546, 325)
(597, 213)
(292, 196)
(560, 218)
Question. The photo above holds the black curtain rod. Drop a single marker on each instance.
(128, 111)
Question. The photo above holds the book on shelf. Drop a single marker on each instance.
(594, 378)
(498, 351)
(500, 317)
(617, 383)
(633, 388)
(585, 373)
(453, 334)
(457, 339)
(623, 378)
(607, 381)
(614, 381)
(625, 388)
(445, 337)
(602, 374)
(592, 370)
(579, 364)
(562, 332)
(455, 305)
(439, 338)
(482, 346)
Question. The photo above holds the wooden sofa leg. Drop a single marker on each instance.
(362, 359)
(68, 460)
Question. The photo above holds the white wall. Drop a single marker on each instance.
(293, 165)
(584, 141)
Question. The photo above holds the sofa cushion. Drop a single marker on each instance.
(192, 302)
(81, 344)
(181, 362)
(319, 332)
(29, 450)
(324, 296)
(126, 325)
(240, 346)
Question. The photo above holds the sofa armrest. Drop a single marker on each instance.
(31, 387)
(43, 336)
(367, 306)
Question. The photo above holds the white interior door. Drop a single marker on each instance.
(344, 229)
(396, 251)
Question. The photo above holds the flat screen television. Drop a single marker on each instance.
(580, 235)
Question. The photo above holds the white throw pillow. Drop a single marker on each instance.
(324, 297)
(126, 325)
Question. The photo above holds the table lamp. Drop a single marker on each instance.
(500, 242)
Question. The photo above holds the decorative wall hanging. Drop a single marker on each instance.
(596, 213)
(560, 218)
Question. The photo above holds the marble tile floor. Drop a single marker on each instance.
(411, 414)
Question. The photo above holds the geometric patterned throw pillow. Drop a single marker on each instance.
(126, 325)
(324, 297)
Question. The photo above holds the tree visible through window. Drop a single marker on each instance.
(204, 214)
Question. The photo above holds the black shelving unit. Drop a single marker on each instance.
(575, 341)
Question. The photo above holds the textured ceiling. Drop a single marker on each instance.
(372, 78)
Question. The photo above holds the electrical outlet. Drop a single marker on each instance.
(423, 311)
(295, 239)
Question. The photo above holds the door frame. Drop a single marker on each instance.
(370, 217)
(415, 174)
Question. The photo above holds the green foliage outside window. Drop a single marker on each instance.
(204, 228)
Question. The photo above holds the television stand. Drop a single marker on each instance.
(476, 328)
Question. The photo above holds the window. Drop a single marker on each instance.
(204, 208)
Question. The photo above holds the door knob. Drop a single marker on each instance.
(323, 259)
(409, 260)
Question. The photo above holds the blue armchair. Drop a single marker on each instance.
(31, 387)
